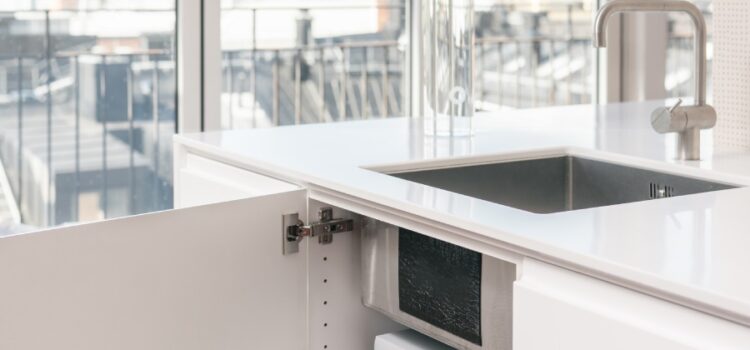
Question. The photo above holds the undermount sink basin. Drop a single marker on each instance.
(561, 183)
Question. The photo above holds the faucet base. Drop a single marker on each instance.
(688, 144)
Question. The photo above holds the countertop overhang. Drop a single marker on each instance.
(692, 250)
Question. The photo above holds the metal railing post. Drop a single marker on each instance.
(276, 87)
(48, 49)
(322, 85)
(500, 74)
(534, 78)
(518, 74)
(480, 74)
(102, 111)
(254, 72)
(298, 87)
(131, 138)
(363, 83)
(230, 84)
(586, 97)
(156, 131)
(77, 204)
(386, 82)
(19, 172)
(552, 70)
(254, 87)
(688, 60)
(344, 82)
(569, 72)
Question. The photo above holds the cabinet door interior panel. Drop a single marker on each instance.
(206, 277)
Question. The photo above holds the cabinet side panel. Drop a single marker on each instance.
(338, 319)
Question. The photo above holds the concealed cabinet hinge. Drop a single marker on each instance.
(294, 230)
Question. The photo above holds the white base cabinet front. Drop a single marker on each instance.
(559, 309)
(206, 277)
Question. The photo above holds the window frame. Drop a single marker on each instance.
(198, 65)
(199, 51)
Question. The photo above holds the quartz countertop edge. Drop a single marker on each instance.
(687, 249)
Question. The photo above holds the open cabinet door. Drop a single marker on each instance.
(208, 277)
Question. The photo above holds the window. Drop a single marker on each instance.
(294, 62)
(87, 106)
(88, 87)
(533, 53)
(680, 73)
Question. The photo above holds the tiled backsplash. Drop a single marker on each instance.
(732, 74)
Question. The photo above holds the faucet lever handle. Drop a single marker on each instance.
(679, 103)
(664, 119)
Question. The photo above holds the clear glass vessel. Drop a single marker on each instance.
(447, 31)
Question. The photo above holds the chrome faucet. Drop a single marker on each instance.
(687, 121)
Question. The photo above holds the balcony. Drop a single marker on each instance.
(86, 129)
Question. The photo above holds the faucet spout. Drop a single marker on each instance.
(686, 121)
(617, 6)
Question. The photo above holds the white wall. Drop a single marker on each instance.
(732, 74)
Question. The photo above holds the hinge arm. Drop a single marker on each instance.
(294, 230)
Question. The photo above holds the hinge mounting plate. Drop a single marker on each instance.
(294, 230)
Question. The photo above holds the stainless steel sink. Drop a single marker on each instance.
(556, 184)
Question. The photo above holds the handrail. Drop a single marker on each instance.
(250, 8)
(317, 7)
(74, 54)
(343, 45)
(150, 52)
(530, 39)
(542, 5)
(11, 12)
(392, 43)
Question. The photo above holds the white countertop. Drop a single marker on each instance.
(691, 249)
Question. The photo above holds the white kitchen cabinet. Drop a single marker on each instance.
(201, 180)
(211, 275)
(553, 308)
(559, 309)
(205, 277)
